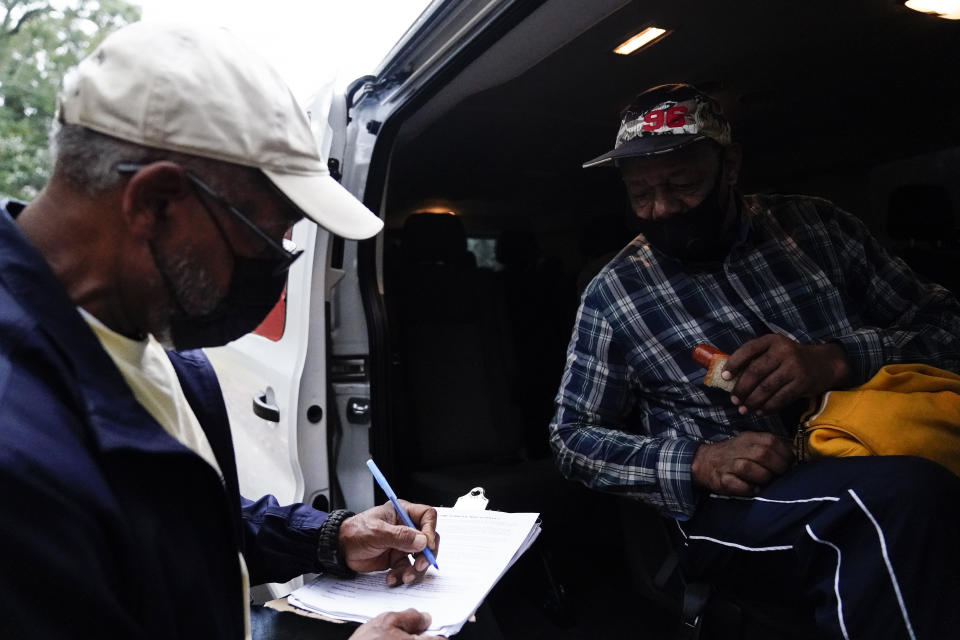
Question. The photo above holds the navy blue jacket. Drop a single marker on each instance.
(109, 527)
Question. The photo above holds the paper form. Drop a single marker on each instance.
(476, 548)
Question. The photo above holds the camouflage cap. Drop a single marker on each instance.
(663, 119)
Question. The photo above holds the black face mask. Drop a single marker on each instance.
(254, 290)
(696, 235)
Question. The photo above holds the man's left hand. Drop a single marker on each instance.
(398, 625)
(773, 371)
(377, 539)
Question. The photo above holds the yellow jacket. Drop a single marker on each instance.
(905, 409)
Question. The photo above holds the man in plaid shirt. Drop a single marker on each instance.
(805, 300)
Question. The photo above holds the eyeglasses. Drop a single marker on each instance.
(285, 252)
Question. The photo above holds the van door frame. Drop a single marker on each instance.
(374, 125)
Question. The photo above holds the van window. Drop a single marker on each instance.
(484, 250)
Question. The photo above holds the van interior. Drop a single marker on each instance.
(493, 229)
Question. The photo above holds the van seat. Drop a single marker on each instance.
(462, 425)
(435, 239)
(541, 311)
(455, 351)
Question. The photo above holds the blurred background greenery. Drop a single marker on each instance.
(39, 41)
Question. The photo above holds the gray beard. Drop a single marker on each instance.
(193, 288)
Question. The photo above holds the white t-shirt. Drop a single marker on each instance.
(150, 375)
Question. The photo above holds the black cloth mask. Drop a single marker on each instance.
(698, 234)
(254, 289)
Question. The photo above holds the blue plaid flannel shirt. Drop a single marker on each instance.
(632, 408)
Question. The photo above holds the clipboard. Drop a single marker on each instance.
(473, 500)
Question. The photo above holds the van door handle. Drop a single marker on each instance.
(265, 406)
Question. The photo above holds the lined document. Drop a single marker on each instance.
(476, 549)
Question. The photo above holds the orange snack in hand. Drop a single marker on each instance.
(713, 360)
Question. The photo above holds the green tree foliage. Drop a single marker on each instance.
(39, 41)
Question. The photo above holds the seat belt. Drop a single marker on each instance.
(666, 570)
(695, 598)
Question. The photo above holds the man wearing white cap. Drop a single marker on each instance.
(804, 300)
(181, 160)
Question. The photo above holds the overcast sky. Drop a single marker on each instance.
(309, 42)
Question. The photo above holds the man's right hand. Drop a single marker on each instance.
(377, 539)
(401, 625)
(742, 464)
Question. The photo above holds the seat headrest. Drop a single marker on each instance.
(434, 238)
(517, 249)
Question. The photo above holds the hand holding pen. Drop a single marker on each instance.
(378, 539)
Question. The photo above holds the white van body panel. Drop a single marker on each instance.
(268, 457)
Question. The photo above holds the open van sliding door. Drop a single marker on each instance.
(262, 376)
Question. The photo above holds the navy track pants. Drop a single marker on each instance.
(871, 544)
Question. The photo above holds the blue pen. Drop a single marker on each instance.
(396, 505)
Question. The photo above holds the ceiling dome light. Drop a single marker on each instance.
(949, 9)
(642, 39)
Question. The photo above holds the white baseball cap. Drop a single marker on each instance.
(201, 91)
